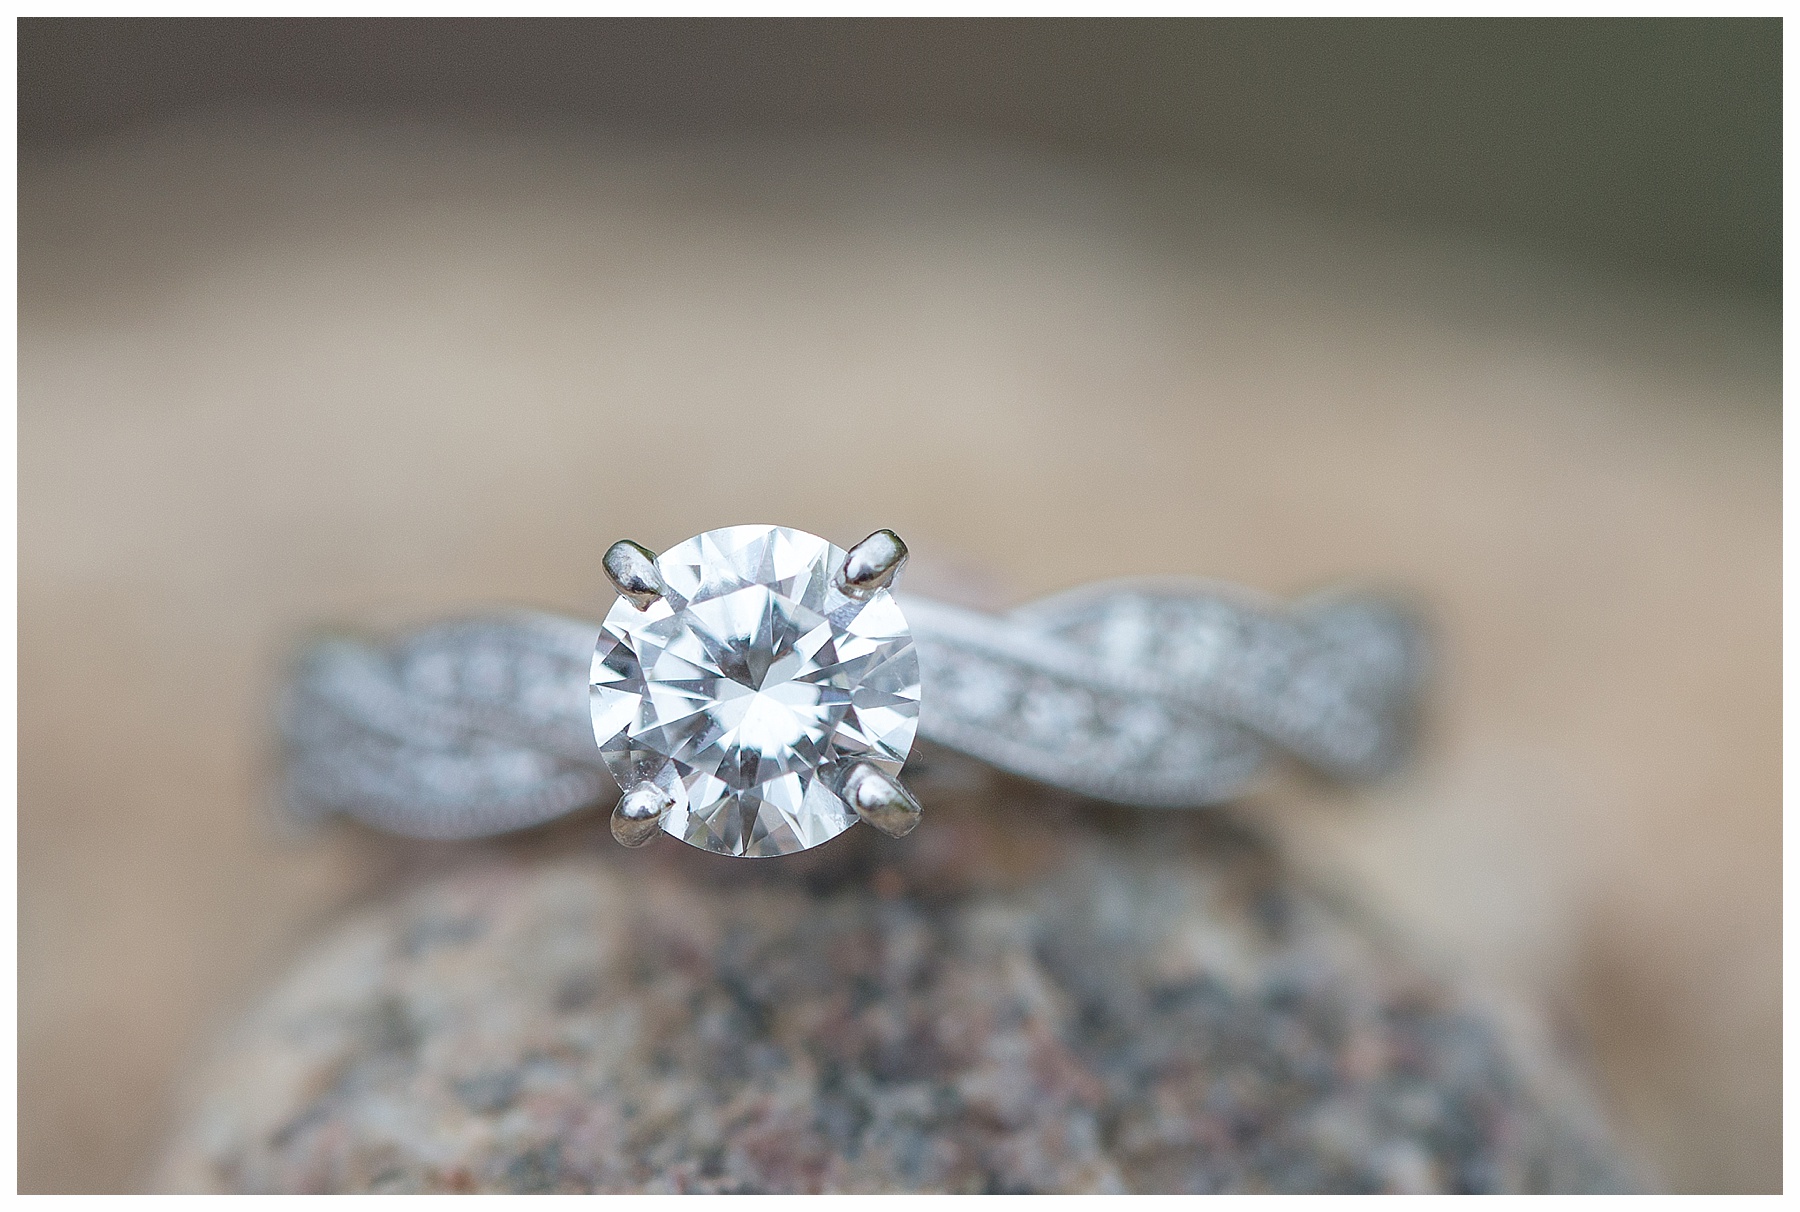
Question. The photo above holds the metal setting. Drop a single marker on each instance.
(631, 567)
(881, 801)
(638, 816)
(1160, 693)
(872, 564)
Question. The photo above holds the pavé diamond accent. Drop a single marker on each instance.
(751, 686)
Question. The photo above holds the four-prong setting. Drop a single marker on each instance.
(638, 816)
(631, 567)
(742, 676)
(872, 564)
(881, 800)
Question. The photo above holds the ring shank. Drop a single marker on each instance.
(1150, 693)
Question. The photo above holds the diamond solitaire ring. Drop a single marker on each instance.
(756, 690)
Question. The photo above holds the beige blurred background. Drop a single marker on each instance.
(324, 325)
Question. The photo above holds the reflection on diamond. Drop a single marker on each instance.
(750, 686)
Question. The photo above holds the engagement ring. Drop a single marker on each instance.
(755, 691)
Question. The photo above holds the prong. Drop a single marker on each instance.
(872, 564)
(631, 567)
(637, 817)
(881, 800)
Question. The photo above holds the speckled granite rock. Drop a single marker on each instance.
(1031, 997)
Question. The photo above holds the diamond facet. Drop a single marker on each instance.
(751, 687)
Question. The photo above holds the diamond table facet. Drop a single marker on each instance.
(751, 687)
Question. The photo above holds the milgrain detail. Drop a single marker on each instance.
(1153, 693)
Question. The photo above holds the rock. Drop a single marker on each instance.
(1024, 995)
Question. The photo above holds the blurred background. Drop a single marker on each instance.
(367, 321)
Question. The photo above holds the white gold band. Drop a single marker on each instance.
(1154, 693)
